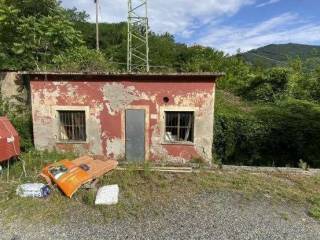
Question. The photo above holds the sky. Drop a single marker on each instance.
(228, 25)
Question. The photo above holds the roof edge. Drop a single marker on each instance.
(201, 74)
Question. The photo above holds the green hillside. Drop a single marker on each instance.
(165, 53)
(280, 54)
(267, 111)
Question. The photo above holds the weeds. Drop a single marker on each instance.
(89, 197)
(145, 192)
(33, 161)
(303, 165)
(314, 210)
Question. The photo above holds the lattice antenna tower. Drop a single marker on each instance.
(138, 36)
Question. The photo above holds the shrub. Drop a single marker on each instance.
(82, 59)
(238, 139)
(294, 132)
(20, 117)
(267, 87)
(278, 134)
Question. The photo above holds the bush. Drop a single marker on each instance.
(294, 132)
(281, 134)
(82, 59)
(238, 139)
(20, 117)
(23, 124)
(267, 87)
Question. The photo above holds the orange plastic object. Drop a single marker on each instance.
(98, 165)
(71, 175)
(67, 176)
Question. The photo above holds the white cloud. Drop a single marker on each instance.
(201, 22)
(269, 2)
(176, 17)
(285, 28)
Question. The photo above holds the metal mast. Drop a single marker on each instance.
(138, 36)
(97, 23)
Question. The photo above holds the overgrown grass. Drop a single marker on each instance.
(314, 211)
(33, 161)
(145, 192)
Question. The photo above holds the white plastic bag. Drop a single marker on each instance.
(38, 190)
(107, 195)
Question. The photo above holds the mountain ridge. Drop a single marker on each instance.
(274, 55)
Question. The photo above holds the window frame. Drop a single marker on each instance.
(178, 127)
(59, 124)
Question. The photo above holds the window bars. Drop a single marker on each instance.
(72, 126)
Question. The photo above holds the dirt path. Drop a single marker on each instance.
(206, 216)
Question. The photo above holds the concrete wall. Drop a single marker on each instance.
(105, 103)
(12, 88)
(8, 87)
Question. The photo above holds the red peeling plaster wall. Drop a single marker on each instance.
(106, 101)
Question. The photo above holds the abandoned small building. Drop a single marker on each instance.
(137, 117)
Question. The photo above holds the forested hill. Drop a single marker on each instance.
(166, 55)
(267, 112)
(280, 54)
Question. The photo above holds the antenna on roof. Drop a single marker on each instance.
(138, 36)
(97, 2)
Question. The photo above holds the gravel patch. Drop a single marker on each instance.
(219, 215)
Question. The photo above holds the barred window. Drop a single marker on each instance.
(72, 126)
(179, 126)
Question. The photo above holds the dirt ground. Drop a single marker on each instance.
(214, 215)
(222, 204)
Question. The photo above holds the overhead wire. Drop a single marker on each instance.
(153, 66)
(268, 58)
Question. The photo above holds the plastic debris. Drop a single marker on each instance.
(35, 190)
(71, 175)
(107, 195)
(9, 140)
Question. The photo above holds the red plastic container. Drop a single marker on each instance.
(9, 140)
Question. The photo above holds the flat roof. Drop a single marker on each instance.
(195, 74)
(112, 76)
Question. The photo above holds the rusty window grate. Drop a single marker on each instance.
(179, 126)
(72, 126)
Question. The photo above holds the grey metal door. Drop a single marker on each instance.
(135, 135)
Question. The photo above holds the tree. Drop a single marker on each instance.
(204, 59)
(75, 16)
(30, 39)
(268, 86)
(314, 89)
(38, 8)
(82, 59)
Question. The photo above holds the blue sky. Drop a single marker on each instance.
(226, 25)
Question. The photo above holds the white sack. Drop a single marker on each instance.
(107, 195)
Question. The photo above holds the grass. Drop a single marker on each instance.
(145, 192)
(314, 211)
